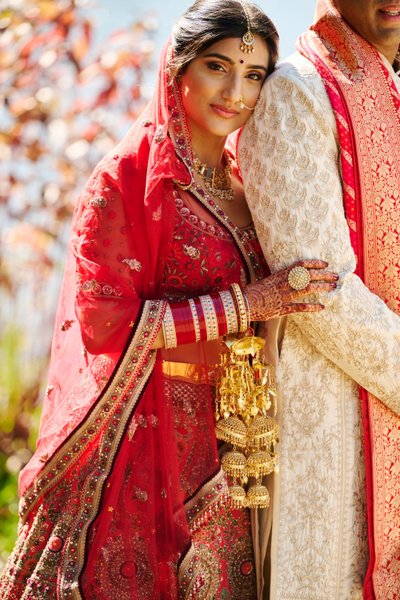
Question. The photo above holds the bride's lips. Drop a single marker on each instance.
(223, 111)
(390, 13)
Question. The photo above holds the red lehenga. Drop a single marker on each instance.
(125, 497)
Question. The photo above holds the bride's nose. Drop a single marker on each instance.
(232, 91)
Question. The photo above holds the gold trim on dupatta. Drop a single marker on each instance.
(199, 509)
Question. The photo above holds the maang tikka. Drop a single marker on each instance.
(248, 39)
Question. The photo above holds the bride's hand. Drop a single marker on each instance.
(274, 296)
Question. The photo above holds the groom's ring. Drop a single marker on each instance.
(299, 278)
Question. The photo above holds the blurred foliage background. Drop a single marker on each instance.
(66, 98)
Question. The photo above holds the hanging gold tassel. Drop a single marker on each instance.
(245, 394)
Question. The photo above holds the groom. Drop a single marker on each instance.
(321, 166)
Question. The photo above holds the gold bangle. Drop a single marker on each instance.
(246, 301)
(195, 318)
(240, 306)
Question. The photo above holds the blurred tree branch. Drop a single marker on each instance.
(64, 103)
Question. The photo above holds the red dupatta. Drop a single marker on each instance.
(125, 211)
(366, 104)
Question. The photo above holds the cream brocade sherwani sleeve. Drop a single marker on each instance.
(291, 169)
(289, 158)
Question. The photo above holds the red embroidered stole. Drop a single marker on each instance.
(366, 104)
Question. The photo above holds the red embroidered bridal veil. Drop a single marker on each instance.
(105, 433)
(129, 191)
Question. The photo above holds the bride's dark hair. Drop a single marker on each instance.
(208, 21)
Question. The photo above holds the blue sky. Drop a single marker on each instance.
(291, 17)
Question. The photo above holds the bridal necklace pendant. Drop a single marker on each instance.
(217, 181)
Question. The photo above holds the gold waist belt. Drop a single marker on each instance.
(190, 372)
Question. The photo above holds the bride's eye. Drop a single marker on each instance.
(215, 66)
(255, 76)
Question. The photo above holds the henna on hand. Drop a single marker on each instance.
(274, 297)
(264, 300)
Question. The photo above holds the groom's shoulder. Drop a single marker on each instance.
(295, 66)
(297, 76)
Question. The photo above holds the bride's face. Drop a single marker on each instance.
(218, 82)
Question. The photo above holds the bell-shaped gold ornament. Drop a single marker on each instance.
(248, 346)
(234, 464)
(238, 496)
(262, 432)
(232, 430)
(260, 463)
(257, 496)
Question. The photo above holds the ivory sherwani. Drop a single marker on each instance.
(289, 156)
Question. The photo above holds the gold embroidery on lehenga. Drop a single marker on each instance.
(220, 562)
(115, 573)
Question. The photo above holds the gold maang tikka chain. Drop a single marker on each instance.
(216, 181)
(248, 39)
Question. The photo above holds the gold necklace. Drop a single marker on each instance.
(216, 181)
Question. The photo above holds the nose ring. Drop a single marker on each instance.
(243, 105)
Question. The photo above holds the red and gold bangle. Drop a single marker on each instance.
(197, 319)
(183, 319)
(246, 301)
(206, 318)
(200, 318)
(220, 313)
(184, 326)
(241, 307)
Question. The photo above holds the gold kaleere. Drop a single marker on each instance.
(245, 394)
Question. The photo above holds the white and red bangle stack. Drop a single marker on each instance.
(206, 318)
